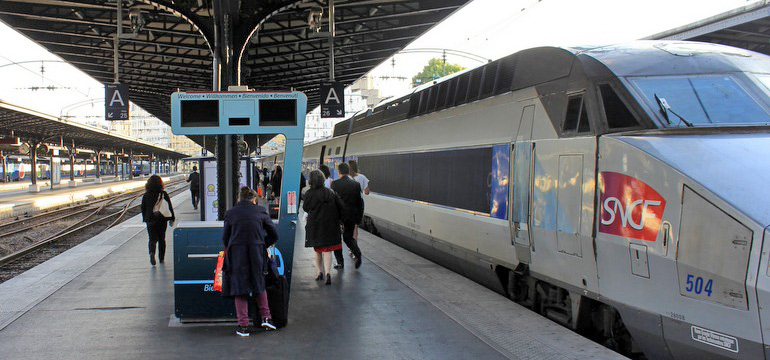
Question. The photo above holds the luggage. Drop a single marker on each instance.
(277, 294)
(278, 299)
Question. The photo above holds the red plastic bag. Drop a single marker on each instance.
(218, 271)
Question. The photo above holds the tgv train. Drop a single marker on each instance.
(621, 191)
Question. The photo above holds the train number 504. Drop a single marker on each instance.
(696, 284)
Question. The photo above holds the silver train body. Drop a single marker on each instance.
(621, 191)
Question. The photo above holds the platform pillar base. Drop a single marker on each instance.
(34, 188)
(98, 181)
(72, 183)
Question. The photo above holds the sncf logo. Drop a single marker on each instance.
(629, 207)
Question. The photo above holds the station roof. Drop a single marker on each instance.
(31, 125)
(746, 27)
(170, 51)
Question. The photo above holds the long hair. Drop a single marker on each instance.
(353, 167)
(317, 179)
(154, 184)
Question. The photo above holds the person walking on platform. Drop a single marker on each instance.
(265, 181)
(248, 232)
(195, 186)
(350, 193)
(362, 180)
(276, 181)
(327, 176)
(358, 177)
(322, 230)
(153, 209)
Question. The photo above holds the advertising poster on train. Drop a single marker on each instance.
(210, 194)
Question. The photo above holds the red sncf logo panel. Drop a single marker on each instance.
(629, 207)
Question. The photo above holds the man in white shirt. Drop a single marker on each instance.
(361, 178)
(363, 181)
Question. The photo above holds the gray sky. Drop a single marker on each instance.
(488, 28)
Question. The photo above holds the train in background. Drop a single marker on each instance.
(19, 169)
(620, 191)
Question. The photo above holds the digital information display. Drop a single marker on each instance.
(250, 112)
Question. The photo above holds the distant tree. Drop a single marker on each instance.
(435, 69)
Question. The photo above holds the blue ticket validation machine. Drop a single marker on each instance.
(197, 243)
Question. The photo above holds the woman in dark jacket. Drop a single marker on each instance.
(247, 232)
(156, 222)
(322, 230)
(276, 181)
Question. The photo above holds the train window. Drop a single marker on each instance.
(700, 100)
(585, 124)
(618, 115)
(337, 151)
(573, 113)
(330, 152)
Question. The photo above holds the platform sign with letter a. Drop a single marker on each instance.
(332, 100)
(115, 102)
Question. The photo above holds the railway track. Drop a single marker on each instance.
(101, 212)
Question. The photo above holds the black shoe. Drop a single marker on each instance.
(267, 324)
(339, 266)
(319, 277)
(152, 259)
(242, 331)
(160, 261)
(358, 262)
(328, 279)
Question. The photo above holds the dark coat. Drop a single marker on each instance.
(349, 191)
(324, 210)
(194, 180)
(276, 182)
(248, 231)
(148, 202)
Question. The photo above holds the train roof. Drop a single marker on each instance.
(651, 57)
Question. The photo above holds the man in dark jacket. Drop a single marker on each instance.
(350, 192)
(195, 186)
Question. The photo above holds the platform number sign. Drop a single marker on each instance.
(115, 102)
(332, 99)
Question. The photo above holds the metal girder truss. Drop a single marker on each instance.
(170, 51)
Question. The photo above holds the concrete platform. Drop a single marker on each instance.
(102, 299)
(15, 203)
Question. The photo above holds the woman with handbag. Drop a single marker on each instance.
(156, 211)
(322, 228)
(248, 231)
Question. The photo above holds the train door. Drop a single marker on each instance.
(563, 196)
(521, 153)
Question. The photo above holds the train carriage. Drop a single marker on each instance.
(619, 191)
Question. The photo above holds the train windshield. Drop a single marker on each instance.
(700, 100)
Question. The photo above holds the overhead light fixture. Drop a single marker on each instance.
(137, 19)
(314, 17)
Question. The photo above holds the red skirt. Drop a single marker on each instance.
(321, 249)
